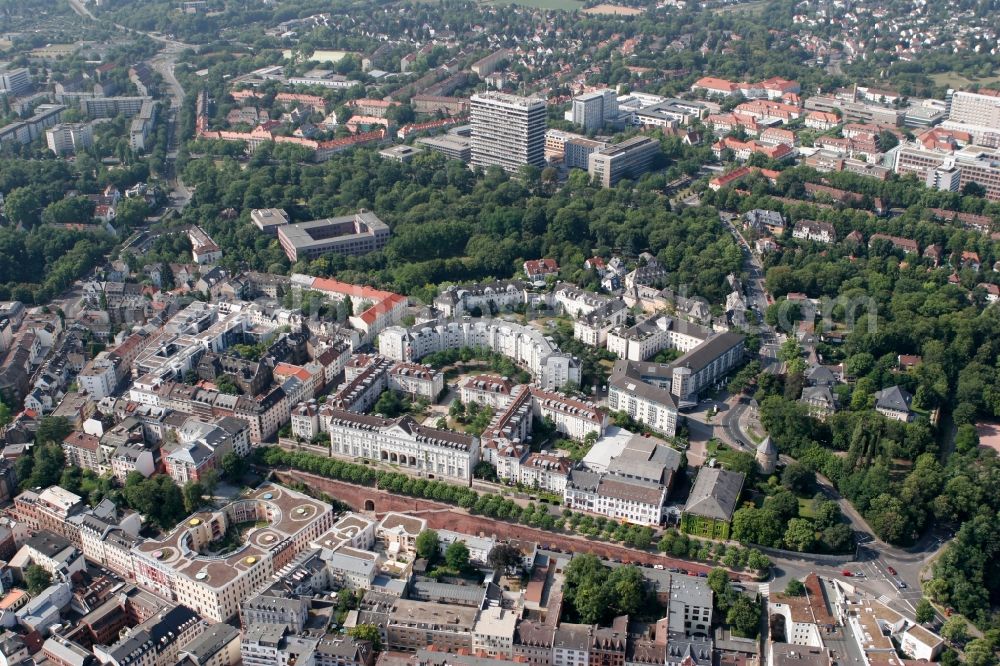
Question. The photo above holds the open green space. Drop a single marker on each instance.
(959, 81)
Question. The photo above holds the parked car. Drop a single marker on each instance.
(658, 566)
(846, 573)
(892, 572)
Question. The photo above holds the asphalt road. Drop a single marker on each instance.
(163, 62)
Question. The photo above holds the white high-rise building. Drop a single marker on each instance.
(15, 81)
(69, 137)
(977, 113)
(507, 131)
(593, 109)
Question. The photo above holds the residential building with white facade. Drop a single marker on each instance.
(404, 442)
(215, 587)
(525, 345)
(592, 110)
(416, 381)
(646, 338)
(507, 131)
(820, 232)
(68, 138)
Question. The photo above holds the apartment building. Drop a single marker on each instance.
(108, 539)
(629, 159)
(204, 250)
(174, 567)
(489, 390)
(487, 298)
(977, 113)
(592, 110)
(50, 510)
(951, 171)
(493, 633)
(620, 498)
(68, 138)
(646, 338)
(416, 381)
(819, 232)
(156, 641)
(537, 470)
(574, 418)
(594, 327)
(507, 131)
(643, 392)
(413, 625)
(109, 107)
(99, 377)
(84, 451)
(26, 131)
(15, 82)
(356, 234)
(403, 441)
(523, 344)
(142, 126)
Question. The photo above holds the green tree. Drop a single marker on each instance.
(980, 652)
(209, 481)
(718, 581)
(799, 535)
(37, 579)
(592, 602)
(504, 557)
(795, 588)
(22, 207)
(925, 611)
(758, 561)
(798, 478)
(627, 589)
(743, 617)
(427, 545)
(367, 632)
(955, 629)
(53, 429)
(233, 466)
(457, 555)
(194, 496)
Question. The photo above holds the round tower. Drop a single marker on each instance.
(767, 456)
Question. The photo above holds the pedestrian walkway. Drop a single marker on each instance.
(764, 589)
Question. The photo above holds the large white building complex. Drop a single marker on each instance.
(646, 338)
(524, 345)
(402, 441)
(977, 113)
(180, 566)
(652, 393)
(507, 131)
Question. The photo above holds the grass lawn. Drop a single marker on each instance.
(805, 508)
(754, 7)
(613, 10)
(565, 5)
(956, 80)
